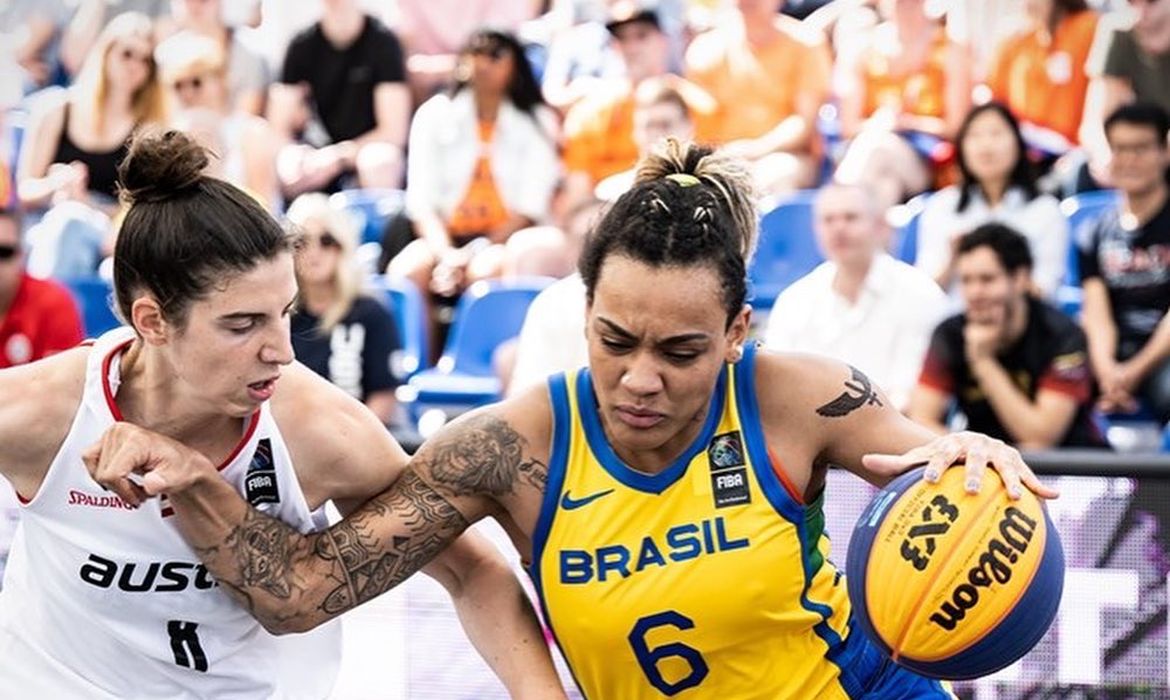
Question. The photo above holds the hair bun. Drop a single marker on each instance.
(161, 165)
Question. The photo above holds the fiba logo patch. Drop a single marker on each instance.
(729, 482)
(260, 481)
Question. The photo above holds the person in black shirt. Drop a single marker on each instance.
(348, 338)
(1125, 268)
(1017, 367)
(343, 103)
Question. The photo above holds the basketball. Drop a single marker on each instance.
(950, 584)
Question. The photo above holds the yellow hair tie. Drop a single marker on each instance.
(684, 179)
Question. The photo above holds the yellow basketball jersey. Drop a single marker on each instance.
(710, 579)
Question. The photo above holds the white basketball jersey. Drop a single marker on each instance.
(102, 601)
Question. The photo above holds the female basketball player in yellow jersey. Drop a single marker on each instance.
(667, 498)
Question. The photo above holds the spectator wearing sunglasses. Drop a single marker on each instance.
(37, 317)
(194, 73)
(74, 143)
(244, 71)
(339, 333)
(483, 165)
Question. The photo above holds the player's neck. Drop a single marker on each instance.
(149, 396)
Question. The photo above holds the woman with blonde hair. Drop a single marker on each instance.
(338, 332)
(75, 141)
(193, 72)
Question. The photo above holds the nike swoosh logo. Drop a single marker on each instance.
(570, 503)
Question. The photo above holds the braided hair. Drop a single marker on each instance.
(689, 206)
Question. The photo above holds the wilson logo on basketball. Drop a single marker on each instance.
(80, 498)
(994, 566)
(919, 544)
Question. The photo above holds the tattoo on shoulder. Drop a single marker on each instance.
(485, 457)
(370, 565)
(859, 392)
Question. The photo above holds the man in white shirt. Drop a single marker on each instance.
(860, 306)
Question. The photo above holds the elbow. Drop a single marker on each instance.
(280, 625)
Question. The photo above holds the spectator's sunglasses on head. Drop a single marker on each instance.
(8, 251)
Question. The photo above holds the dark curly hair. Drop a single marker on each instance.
(689, 206)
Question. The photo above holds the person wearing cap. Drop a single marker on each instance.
(599, 129)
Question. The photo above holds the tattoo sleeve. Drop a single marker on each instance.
(293, 582)
(859, 392)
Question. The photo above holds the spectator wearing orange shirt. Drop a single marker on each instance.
(599, 129)
(903, 103)
(769, 74)
(37, 317)
(1039, 72)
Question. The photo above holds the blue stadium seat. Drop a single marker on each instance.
(1081, 210)
(787, 250)
(487, 314)
(371, 208)
(410, 315)
(94, 297)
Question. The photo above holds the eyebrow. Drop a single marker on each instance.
(255, 315)
(672, 340)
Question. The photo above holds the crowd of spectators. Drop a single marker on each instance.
(507, 125)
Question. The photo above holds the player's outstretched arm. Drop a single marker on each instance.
(293, 582)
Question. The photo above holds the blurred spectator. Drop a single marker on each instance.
(996, 183)
(337, 332)
(660, 111)
(860, 306)
(32, 31)
(903, 103)
(37, 317)
(769, 75)
(1125, 65)
(483, 165)
(92, 16)
(581, 50)
(552, 338)
(74, 143)
(342, 103)
(245, 71)
(1125, 267)
(598, 134)
(432, 32)
(193, 73)
(1016, 367)
(1039, 72)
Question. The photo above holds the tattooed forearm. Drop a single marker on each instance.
(293, 582)
(485, 457)
(859, 391)
(372, 566)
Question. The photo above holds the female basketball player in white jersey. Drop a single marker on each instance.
(102, 597)
(668, 497)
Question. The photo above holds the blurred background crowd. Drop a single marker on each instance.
(966, 199)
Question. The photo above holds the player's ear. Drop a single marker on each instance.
(737, 333)
(146, 316)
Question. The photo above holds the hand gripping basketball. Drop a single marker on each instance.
(138, 464)
(977, 451)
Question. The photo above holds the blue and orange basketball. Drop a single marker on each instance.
(950, 584)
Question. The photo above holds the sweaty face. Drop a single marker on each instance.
(230, 352)
(657, 343)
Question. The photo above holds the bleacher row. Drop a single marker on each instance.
(491, 312)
